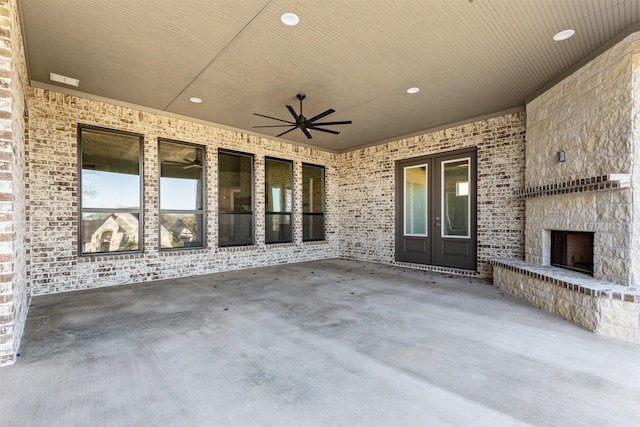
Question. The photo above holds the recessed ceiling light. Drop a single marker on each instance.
(195, 100)
(64, 79)
(413, 90)
(563, 35)
(289, 19)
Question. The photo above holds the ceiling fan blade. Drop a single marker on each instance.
(274, 126)
(287, 131)
(344, 122)
(324, 130)
(293, 112)
(306, 132)
(274, 118)
(195, 165)
(321, 115)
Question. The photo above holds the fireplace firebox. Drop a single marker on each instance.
(572, 250)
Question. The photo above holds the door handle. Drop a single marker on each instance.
(437, 223)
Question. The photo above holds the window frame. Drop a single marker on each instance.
(253, 200)
(267, 213)
(140, 137)
(324, 203)
(202, 211)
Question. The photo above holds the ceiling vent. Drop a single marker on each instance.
(64, 79)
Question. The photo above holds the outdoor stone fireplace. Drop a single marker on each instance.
(582, 197)
(572, 250)
(592, 215)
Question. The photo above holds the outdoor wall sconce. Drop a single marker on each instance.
(560, 156)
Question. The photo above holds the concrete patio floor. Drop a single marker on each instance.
(325, 343)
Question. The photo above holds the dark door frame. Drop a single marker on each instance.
(426, 248)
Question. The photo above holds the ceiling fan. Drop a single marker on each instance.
(188, 163)
(195, 163)
(304, 124)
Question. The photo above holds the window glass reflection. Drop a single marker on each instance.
(415, 200)
(313, 227)
(235, 199)
(313, 202)
(110, 232)
(235, 229)
(108, 190)
(181, 231)
(181, 195)
(110, 183)
(455, 193)
(279, 200)
(313, 189)
(235, 182)
(181, 176)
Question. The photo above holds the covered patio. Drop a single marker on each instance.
(331, 342)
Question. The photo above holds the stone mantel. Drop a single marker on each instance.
(583, 185)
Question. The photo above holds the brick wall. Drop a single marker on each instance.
(13, 256)
(53, 186)
(359, 193)
(588, 115)
(367, 196)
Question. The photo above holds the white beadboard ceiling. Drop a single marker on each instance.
(469, 58)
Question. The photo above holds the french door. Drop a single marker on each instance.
(436, 210)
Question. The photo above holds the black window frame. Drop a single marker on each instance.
(270, 213)
(253, 199)
(81, 127)
(202, 211)
(324, 204)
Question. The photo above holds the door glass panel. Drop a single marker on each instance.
(455, 198)
(415, 200)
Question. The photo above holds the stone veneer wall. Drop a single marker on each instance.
(366, 198)
(599, 306)
(14, 296)
(53, 191)
(589, 116)
(635, 173)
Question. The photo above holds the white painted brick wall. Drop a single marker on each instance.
(14, 295)
(367, 196)
(55, 265)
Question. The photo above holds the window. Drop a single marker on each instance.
(312, 202)
(181, 195)
(110, 188)
(278, 200)
(235, 199)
